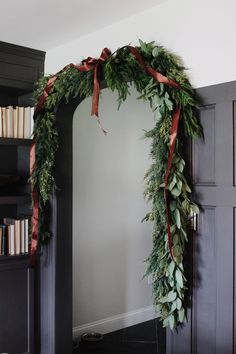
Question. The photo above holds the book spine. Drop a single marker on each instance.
(4, 123)
(17, 237)
(10, 113)
(26, 235)
(15, 122)
(27, 121)
(21, 123)
(22, 236)
(4, 241)
(31, 122)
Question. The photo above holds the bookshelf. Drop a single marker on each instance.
(20, 67)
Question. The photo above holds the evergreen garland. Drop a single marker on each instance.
(121, 70)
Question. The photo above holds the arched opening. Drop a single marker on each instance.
(56, 265)
(109, 241)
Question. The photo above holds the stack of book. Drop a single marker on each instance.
(14, 237)
(16, 122)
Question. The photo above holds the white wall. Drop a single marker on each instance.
(107, 262)
(202, 32)
(110, 242)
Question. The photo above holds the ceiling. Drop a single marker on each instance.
(46, 24)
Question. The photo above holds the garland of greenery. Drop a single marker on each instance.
(121, 70)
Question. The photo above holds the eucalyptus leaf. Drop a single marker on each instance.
(187, 188)
(179, 184)
(162, 300)
(168, 102)
(177, 218)
(166, 322)
(171, 267)
(171, 322)
(172, 205)
(179, 278)
(181, 314)
(184, 234)
(171, 185)
(176, 192)
(171, 296)
(177, 252)
(173, 306)
(178, 304)
(195, 208)
(155, 51)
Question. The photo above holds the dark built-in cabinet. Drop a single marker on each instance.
(19, 69)
(211, 313)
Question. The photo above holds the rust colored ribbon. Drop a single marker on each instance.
(150, 71)
(173, 138)
(34, 235)
(173, 132)
(87, 65)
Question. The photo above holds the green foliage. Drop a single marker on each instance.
(121, 70)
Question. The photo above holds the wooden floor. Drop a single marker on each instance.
(145, 338)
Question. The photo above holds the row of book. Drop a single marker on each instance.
(16, 122)
(14, 237)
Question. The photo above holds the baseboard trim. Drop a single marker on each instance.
(117, 322)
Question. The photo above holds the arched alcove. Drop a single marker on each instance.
(56, 262)
(109, 241)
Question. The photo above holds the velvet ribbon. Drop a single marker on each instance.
(87, 65)
(95, 65)
(173, 133)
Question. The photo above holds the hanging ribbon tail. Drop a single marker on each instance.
(96, 85)
(173, 134)
(96, 92)
(152, 72)
(34, 226)
(173, 138)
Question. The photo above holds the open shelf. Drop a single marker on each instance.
(15, 199)
(14, 258)
(15, 142)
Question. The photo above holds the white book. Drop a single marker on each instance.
(22, 236)
(15, 122)
(17, 237)
(11, 238)
(9, 122)
(27, 122)
(21, 123)
(26, 235)
(31, 122)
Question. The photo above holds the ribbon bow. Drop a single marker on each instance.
(87, 65)
(95, 65)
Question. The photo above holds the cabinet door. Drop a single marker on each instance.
(210, 328)
(16, 308)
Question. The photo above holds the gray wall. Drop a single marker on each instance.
(110, 242)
